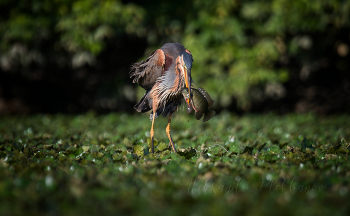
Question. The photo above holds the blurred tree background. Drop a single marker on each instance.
(251, 56)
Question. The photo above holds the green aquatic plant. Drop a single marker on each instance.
(254, 164)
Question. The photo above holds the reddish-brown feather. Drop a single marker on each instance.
(146, 72)
(168, 61)
(155, 97)
(161, 60)
(176, 85)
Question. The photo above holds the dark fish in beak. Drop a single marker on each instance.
(207, 97)
(200, 102)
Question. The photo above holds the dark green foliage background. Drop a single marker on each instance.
(59, 56)
(250, 55)
(252, 165)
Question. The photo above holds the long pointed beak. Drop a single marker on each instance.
(188, 84)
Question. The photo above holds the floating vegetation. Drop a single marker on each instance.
(235, 165)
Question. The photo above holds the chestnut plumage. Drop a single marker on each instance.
(164, 75)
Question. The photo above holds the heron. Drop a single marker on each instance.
(164, 75)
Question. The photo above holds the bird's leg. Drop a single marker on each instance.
(152, 132)
(168, 133)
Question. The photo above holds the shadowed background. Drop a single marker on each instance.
(252, 56)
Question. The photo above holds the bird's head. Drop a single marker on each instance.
(186, 61)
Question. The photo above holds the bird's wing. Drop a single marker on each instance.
(146, 72)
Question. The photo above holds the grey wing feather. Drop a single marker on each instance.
(146, 72)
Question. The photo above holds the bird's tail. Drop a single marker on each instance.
(143, 105)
